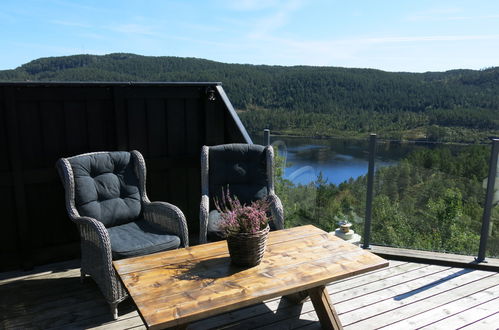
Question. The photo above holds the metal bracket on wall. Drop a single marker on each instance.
(210, 94)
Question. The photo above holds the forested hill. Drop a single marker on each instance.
(458, 105)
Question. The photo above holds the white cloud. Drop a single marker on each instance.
(266, 25)
(48, 50)
(204, 28)
(452, 18)
(138, 29)
(90, 35)
(434, 13)
(70, 23)
(77, 6)
(252, 5)
(428, 38)
(404, 53)
(355, 43)
(449, 14)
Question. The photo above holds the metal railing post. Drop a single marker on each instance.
(484, 235)
(369, 194)
(266, 137)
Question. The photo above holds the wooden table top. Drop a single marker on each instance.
(180, 286)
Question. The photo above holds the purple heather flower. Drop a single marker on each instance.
(241, 218)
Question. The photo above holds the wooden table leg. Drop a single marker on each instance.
(297, 298)
(324, 308)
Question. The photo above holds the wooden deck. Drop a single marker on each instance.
(403, 296)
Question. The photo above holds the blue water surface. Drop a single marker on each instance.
(338, 160)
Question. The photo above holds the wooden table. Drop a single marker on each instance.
(177, 287)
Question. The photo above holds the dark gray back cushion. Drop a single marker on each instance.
(106, 187)
(241, 167)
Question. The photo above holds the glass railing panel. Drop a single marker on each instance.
(426, 196)
(493, 239)
(432, 199)
(322, 181)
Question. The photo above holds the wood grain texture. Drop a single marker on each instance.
(409, 299)
(199, 252)
(324, 308)
(444, 304)
(52, 297)
(176, 287)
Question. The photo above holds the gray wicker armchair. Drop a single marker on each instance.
(247, 170)
(106, 197)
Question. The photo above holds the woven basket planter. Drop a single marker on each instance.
(247, 249)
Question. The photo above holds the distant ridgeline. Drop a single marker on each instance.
(457, 105)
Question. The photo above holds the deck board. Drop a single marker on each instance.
(468, 317)
(488, 322)
(423, 295)
(403, 296)
(447, 304)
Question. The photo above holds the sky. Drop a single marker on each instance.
(390, 35)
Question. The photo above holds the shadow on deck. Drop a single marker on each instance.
(405, 295)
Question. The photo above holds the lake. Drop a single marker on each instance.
(337, 159)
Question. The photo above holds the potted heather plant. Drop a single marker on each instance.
(246, 228)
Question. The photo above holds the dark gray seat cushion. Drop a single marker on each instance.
(139, 238)
(106, 187)
(241, 167)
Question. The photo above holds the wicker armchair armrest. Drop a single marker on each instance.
(97, 258)
(168, 217)
(94, 232)
(277, 210)
(204, 210)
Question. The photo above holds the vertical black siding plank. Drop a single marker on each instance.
(8, 221)
(214, 123)
(194, 198)
(201, 114)
(109, 117)
(177, 177)
(24, 241)
(35, 198)
(47, 199)
(137, 126)
(157, 179)
(76, 128)
(120, 118)
(193, 147)
(10, 237)
(4, 161)
(42, 196)
(156, 128)
(97, 126)
(176, 127)
(101, 125)
(53, 132)
(31, 139)
(192, 128)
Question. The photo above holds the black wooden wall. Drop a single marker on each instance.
(41, 122)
